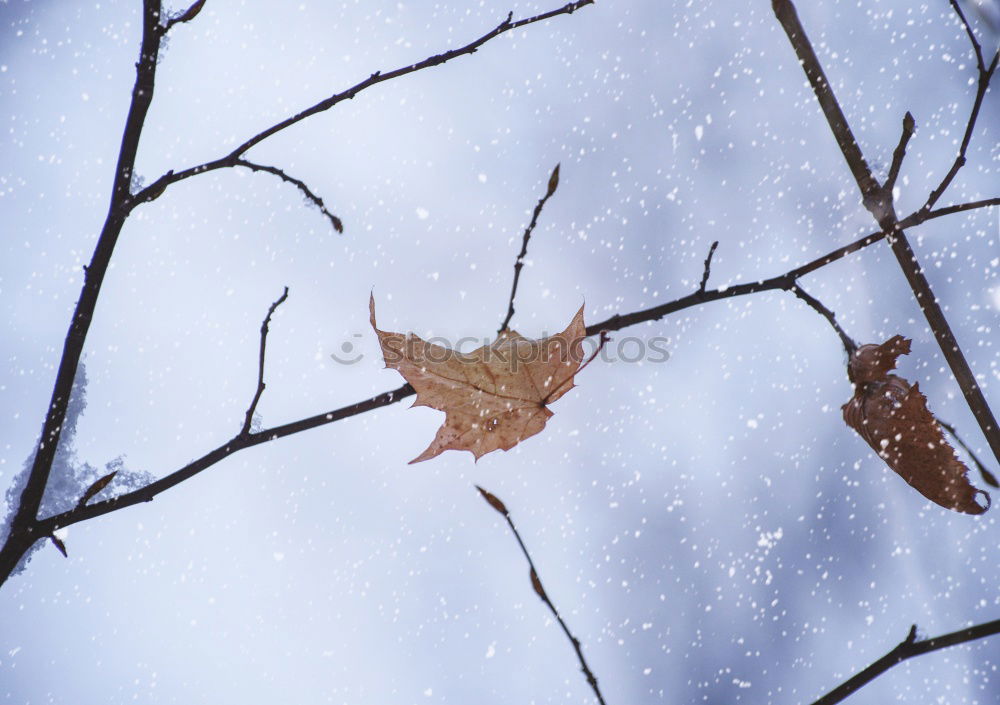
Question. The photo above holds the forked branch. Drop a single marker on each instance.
(24, 528)
(907, 649)
(230, 160)
(878, 200)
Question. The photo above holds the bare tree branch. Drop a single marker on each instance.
(782, 282)
(708, 267)
(976, 47)
(907, 649)
(23, 532)
(849, 345)
(879, 203)
(899, 153)
(871, 194)
(24, 525)
(299, 184)
(230, 159)
(985, 76)
(988, 477)
(519, 262)
(948, 210)
(260, 364)
(536, 584)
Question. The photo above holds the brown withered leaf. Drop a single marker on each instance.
(493, 397)
(892, 417)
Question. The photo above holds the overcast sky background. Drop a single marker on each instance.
(710, 528)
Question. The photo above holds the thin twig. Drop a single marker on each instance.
(23, 526)
(784, 10)
(906, 649)
(23, 532)
(536, 584)
(897, 156)
(985, 76)
(880, 205)
(976, 47)
(849, 345)
(708, 267)
(378, 77)
(519, 262)
(260, 364)
(988, 477)
(782, 282)
(946, 339)
(299, 184)
(948, 210)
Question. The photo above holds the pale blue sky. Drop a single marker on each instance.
(708, 525)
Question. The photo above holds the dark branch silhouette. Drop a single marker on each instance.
(23, 529)
(543, 595)
(784, 10)
(985, 76)
(299, 184)
(948, 210)
(781, 282)
(519, 262)
(907, 649)
(708, 267)
(248, 422)
(878, 200)
(909, 125)
(25, 525)
(230, 159)
(849, 345)
(988, 477)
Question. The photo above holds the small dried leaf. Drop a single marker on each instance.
(537, 585)
(493, 500)
(98, 485)
(493, 397)
(893, 418)
(553, 182)
(57, 542)
(871, 363)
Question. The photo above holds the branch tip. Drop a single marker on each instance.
(536, 585)
(264, 327)
(301, 185)
(708, 267)
(550, 189)
(493, 500)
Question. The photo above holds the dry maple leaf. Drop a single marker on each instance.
(893, 418)
(493, 397)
